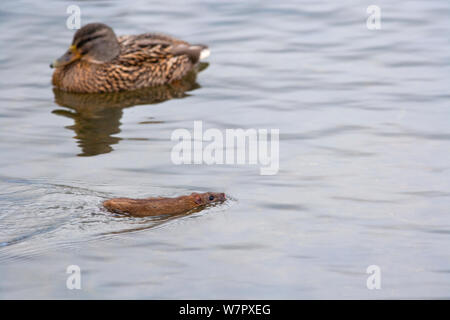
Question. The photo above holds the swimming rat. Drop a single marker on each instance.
(159, 206)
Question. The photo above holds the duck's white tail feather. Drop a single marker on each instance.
(205, 53)
(195, 52)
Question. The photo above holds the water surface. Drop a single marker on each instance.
(364, 173)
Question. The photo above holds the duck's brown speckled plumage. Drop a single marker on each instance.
(145, 60)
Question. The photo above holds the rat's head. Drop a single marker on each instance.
(94, 43)
(208, 197)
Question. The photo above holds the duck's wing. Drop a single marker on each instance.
(156, 47)
(151, 59)
(148, 38)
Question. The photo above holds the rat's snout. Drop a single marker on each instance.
(222, 196)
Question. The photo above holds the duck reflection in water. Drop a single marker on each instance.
(97, 115)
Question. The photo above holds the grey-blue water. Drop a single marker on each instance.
(364, 173)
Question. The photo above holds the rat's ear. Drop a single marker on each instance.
(198, 199)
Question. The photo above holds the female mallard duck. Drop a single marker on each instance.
(98, 61)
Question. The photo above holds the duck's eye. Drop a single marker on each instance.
(211, 198)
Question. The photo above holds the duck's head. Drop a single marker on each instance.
(94, 43)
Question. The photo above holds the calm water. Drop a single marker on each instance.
(364, 155)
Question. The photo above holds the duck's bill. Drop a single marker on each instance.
(65, 59)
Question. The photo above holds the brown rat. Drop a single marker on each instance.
(159, 206)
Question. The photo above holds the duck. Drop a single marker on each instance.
(98, 61)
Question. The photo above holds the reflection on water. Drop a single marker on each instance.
(97, 115)
(157, 221)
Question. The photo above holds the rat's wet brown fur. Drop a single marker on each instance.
(162, 206)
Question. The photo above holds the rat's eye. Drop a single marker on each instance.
(211, 198)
